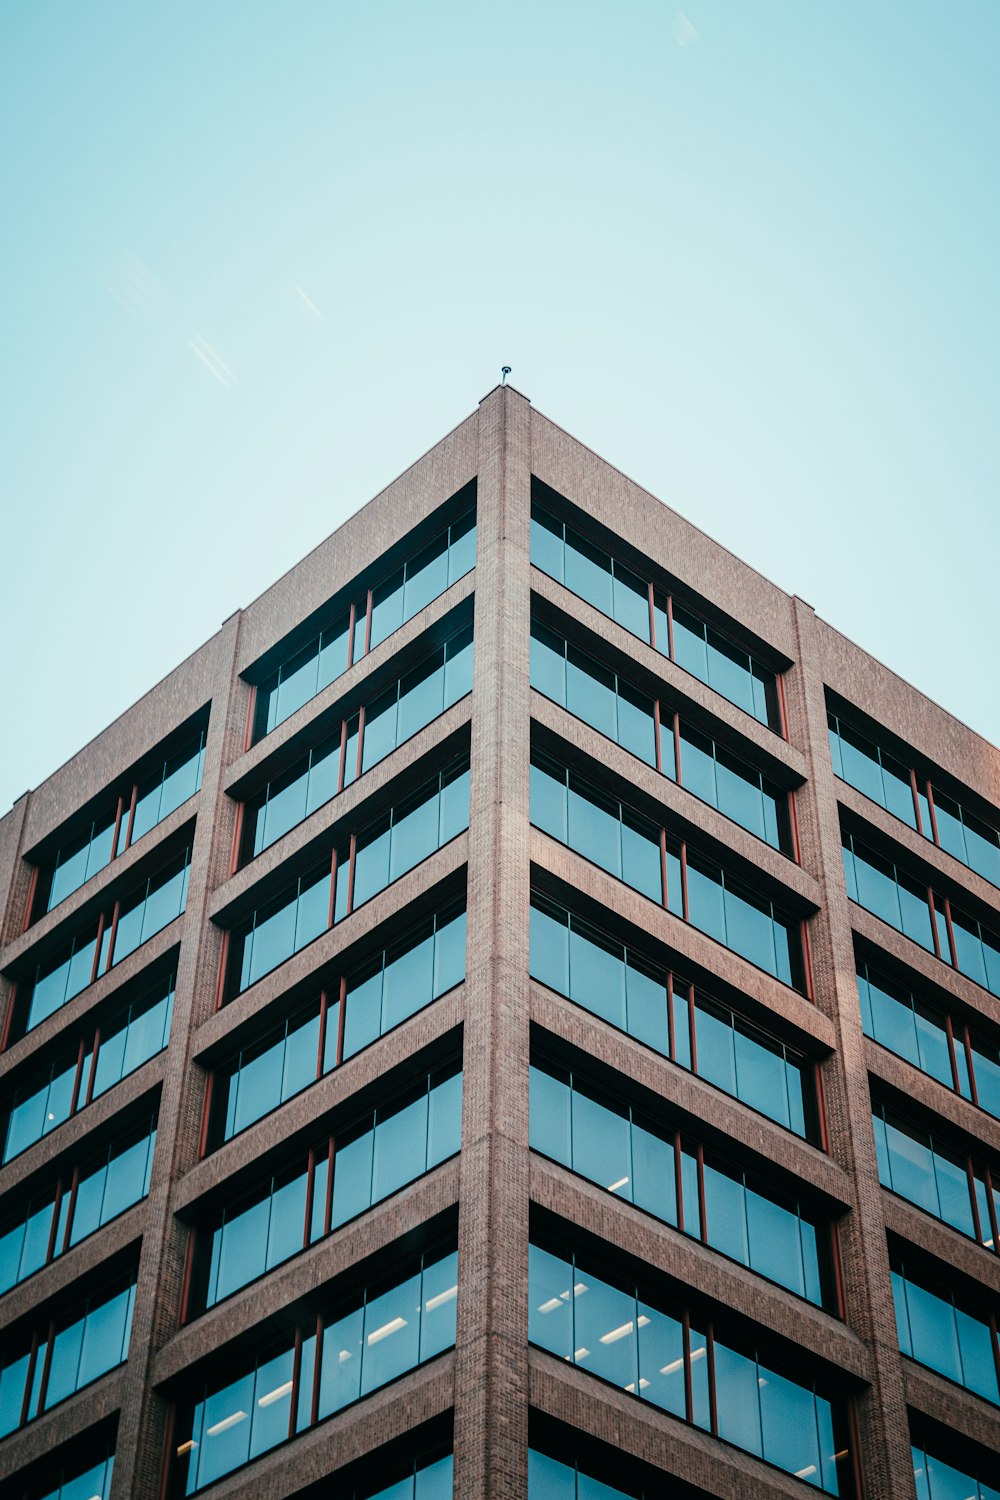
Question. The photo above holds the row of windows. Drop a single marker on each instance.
(668, 1014)
(65, 1356)
(359, 743)
(664, 1357)
(339, 1178)
(81, 1073)
(342, 1355)
(135, 918)
(654, 616)
(372, 617)
(379, 994)
(879, 775)
(931, 1040)
(647, 1163)
(92, 1484)
(923, 915)
(664, 868)
(120, 824)
(936, 1331)
(85, 1197)
(548, 1479)
(651, 730)
(929, 1173)
(936, 1480)
(372, 859)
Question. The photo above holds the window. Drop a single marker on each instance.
(648, 1162)
(896, 786)
(359, 743)
(65, 970)
(340, 1177)
(65, 1355)
(919, 1166)
(368, 861)
(548, 1479)
(653, 615)
(84, 1197)
(82, 1477)
(370, 1338)
(667, 1013)
(678, 1362)
(936, 1329)
(938, 1044)
(356, 1010)
(923, 915)
(85, 1070)
(650, 729)
(307, 669)
(666, 869)
(122, 821)
(937, 1480)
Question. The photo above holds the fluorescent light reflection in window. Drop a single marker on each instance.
(226, 1423)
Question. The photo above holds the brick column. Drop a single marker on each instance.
(491, 1381)
(884, 1430)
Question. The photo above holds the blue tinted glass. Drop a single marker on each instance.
(590, 692)
(597, 975)
(426, 576)
(547, 543)
(462, 546)
(550, 1297)
(729, 671)
(549, 1129)
(549, 945)
(738, 1399)
(421, 698)
(690, 651)
(588, 572)
(631, 601)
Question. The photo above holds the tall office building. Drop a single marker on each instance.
(514, 1014)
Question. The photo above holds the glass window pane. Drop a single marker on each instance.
(421, 697)
(714, 1038)
(597, 975)
(400, 1148)
(550, 1295)
(408, 982)
(371, 869)
(636, 724)
(549, 945)
(729, 671)
(698, 765)
(775, 1242)
(601, 1145)
(605, 1333)
(661, 1359)
(968, 947)
(392, 1334)
(440, 1295)
(286, 1228)
(594, 828)
(725, 1214)
(788, 1420)
(225, 1441)
(590, 692)
(706, 908)
(387, 611)
(426, 576)
(654, 1174)
(860, 763)
(631, 601)
(444, 1129)
(105, 1337)
(740, 796)
(738, 1398)
(461, 546)
(333, 652)
(642, 866)
(352, 1178)
(690, 651)
(340, 1371)
(297, 681)
(547, 543)
(549, 1130)
(272, 1403)
(243, 1247)
(588, 571)
(646, 1006)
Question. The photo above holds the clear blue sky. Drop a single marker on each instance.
(745, 249)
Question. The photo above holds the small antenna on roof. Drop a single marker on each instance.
(503, 374)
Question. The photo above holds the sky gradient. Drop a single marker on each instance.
(257, 258)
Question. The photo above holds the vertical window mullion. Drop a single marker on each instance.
(671, 1037)
(43, 1384)
(310, 1187)
(916, 803)
(117, 828)
(342, 768)
(340, 1019)
(971, 1184)
(967, 1043)
(670, 626)
(351, 869)
(361, 739)
(351, 621)
(933, 811)
(684, 882)
(97, 947)
(293, 1404)
(32, 888)
(29, 1380)
(951, 933)
(314, 1404)
(702, 1211)
(74, 1186)
(952, 1060)
(679, 1180)
(692, 1029)
(663, 867)
(331, 1158)
(657, 727)
(368, 619)
(652, 615)
(131, 814)
(114, 930)
(932, 908)
(324, 1015)
(74, 1098)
